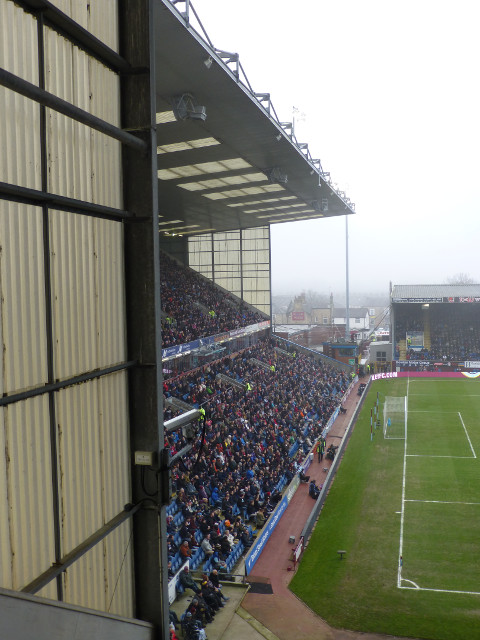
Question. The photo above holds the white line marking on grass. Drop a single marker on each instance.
(415, 585)
(428, 411)
(466, 433)
(443, 501)
(402, 517)
(417, 588)
(427, 455)
(456, 395)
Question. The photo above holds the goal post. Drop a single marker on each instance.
(394, 417)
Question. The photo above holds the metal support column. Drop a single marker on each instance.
(142, 268)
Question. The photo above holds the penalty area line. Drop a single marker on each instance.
(444, 502)
(466, 433)
(417, 588)
(428, 455)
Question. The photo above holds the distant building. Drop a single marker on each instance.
(359, 318)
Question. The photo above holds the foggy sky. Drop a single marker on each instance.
(391, 99)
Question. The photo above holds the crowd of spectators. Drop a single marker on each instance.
(193, 307)
(258, 422)
(454, 333)
(255, 430)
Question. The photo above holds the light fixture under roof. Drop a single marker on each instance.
(185, 107)
(275, 174)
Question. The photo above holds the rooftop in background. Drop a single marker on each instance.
(434, 293)
(224, 159)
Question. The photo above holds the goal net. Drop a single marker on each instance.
(394, 417)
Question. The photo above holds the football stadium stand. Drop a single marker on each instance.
(436, 327)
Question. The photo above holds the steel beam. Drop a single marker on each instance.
(142, 270)
(62, 565)
(70, 29)
(29, 90)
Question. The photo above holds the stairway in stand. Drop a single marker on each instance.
(427, 340)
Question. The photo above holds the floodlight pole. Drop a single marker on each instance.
(347, 302)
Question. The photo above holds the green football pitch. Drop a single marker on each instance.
(407, 511)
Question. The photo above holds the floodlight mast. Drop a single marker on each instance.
(347, 292)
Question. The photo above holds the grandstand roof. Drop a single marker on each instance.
(436, 293)
(238, 167)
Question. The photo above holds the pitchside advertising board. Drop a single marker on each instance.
(178, 350)
(272, 522)
(426, 374)
(453, 300)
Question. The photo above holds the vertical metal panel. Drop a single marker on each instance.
(93, 456)
(100, 18)
(116, 459)
(69, 142)
(102, 579)
(106, 182)
(110, 293)
(88, 293)
(73, 293)
(29, 504)
(119, 579)
(80, 462)
(22, 302)
(5, 547)
(83, 163)
(19, 139)
(88, 314)
(18, 44)
(114, 443)
(83, 581)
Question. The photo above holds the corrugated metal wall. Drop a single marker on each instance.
(84, 323)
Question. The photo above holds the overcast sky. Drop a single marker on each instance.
(391, 97)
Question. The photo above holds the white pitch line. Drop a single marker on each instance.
(427, 411)
(429, 455)
(444, 502)
(415, 585)
(450, 395)
(466, 433)
(470, 593)
(404, 500)
(402, 517)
